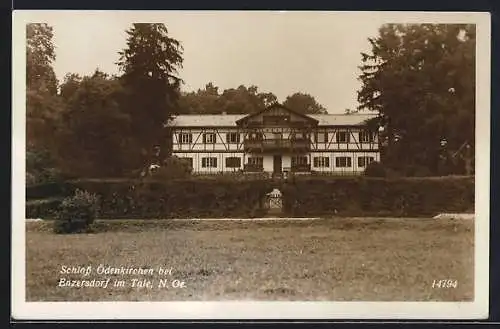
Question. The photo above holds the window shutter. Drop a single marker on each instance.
(190, 138)
(326, 137)
(204, 138)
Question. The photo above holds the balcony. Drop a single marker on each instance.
(272, 145)
(248, 167)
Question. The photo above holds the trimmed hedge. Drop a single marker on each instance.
(177, 198)
(45, 208)
(362, 196)
(302, 196)
(48, 190)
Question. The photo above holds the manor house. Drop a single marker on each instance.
(275, 140)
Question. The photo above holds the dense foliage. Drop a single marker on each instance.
(229, 197)
(77, 213)
(357, 196)
(421, 79)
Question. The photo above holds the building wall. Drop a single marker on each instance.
(222, 150)
(221, 161)
(221, 142)
(334, 169)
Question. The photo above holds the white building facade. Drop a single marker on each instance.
(275, 140)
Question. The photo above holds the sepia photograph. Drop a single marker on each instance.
(250, 164)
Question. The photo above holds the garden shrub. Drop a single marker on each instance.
(48, 190)
(77, 213)
(44, 208)
(363, 196)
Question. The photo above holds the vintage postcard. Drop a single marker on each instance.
(250, 165)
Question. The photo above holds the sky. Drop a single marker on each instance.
(280, 52)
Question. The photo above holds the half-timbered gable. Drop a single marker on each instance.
(275, 140)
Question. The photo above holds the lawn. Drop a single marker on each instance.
(337, 259)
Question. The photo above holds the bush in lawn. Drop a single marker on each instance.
(77, 213)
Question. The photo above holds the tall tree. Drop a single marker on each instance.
(94, 141)
(69, 85)
(420, 78)
(304, 103)
(150, 64)
(42, 103)
(40, 55)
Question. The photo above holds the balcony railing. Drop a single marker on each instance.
(253, 167)
(277, 145)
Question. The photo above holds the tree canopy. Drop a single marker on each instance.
(149, 66)
(304, 103)
(420, 78)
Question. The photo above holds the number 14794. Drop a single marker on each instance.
(444, 283)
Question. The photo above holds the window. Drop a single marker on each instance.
(321, 137)
(321, 162)
(209, 162)
(343, 162)
(209, 138)
(255, 136)
(233, 162)
(188, 160)
(257, 161)
(365, 161)
(299, 160)
(299, 136)
(232, 138)
(185, 138)
(365, 137)
(342, 137)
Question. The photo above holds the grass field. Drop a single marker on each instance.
(333, 259)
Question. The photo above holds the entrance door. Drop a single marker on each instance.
(277, 164)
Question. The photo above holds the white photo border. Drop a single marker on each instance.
(238, 310)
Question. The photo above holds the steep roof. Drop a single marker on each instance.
(206, 120)
(354, 119)
(277, 105)
(229, 120)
